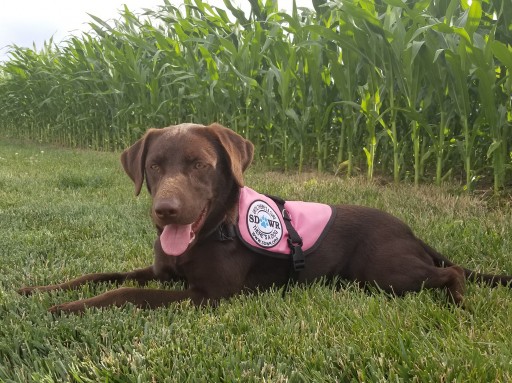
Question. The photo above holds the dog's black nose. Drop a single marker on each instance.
(167, 208)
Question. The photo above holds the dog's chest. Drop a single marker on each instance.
(261, 225)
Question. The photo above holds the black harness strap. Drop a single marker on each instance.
(294, 239)
(295, 243)
(226, 232)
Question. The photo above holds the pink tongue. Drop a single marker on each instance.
(175, 239)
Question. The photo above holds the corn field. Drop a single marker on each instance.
(417, 90)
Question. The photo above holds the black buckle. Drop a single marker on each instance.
(225, 232)
(298, 258)
(294, 239)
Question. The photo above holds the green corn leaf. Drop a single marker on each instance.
(494, 146)
(502, 53)
(396, 3)
(474, 17)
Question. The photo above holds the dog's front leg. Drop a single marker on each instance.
(143, 298)
(141, 276)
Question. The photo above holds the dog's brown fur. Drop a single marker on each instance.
(191, 170)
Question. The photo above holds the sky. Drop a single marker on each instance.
(25, 22)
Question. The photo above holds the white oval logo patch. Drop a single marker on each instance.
(263, 224)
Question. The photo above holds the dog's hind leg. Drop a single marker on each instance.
(425, 277)
(408, 270)
(428, 277)
(452, 278)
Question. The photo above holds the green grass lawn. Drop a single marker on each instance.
(65, 212)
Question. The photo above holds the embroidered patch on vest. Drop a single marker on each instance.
(264, 225)
(261, 227)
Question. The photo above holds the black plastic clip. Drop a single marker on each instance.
(295, 243)
(298, 257)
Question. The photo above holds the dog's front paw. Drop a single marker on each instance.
(27, 290)
(76, 307)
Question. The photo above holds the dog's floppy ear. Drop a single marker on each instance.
(134, 158)
(239, 150)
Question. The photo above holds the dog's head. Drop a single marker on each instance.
(191, 171)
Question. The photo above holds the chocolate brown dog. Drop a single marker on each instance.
(195, 177)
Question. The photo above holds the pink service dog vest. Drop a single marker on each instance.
(262, 229)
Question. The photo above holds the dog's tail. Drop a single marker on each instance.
(489, 279)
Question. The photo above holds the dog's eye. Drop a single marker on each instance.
(155, 167)
(199, 165)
